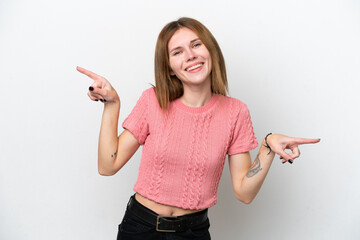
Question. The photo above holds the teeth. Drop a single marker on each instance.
(193, 67)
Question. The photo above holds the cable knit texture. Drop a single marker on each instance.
(184, 149)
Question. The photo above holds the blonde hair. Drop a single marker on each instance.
(167, 87)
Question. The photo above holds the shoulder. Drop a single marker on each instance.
(149, 92)
(148, 95)
(231, 103)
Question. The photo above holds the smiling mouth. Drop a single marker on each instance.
(194, 67)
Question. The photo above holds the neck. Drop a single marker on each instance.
(194, 97)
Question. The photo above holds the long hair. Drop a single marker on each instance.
(167, 87)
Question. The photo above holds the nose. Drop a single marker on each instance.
(190, 55)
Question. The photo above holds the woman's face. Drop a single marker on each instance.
(189, 59)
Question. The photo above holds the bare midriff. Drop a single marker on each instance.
(164, 210)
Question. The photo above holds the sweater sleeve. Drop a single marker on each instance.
(137, 121)
(243, 137)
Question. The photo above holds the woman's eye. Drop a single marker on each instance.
(197, 44)
(176, 53)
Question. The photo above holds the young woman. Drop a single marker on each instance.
(187, 125)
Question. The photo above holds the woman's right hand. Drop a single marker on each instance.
(101, 89)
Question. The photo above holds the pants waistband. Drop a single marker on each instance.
(164, 223)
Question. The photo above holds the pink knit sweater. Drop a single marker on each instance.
(184, 150)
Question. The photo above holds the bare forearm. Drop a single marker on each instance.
(255, 176)
(108, 138)
(248, 178)
(113, 151)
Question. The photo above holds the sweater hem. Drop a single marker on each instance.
(169, 203)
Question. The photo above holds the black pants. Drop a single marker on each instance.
(133, 228)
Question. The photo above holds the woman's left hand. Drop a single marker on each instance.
(278, 143)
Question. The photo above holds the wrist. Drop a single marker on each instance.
(114, 101)
(112, 106)
(266, 144)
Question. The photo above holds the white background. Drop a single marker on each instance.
(294, 63)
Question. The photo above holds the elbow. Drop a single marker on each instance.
(247, 201)
(244, 199)
(107, 169)
(104, 172)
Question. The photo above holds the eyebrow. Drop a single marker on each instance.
(196, 39)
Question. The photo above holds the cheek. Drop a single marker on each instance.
(175, 65)
(207, 55)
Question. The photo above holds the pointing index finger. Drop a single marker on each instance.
(307, 140)
(88, 73)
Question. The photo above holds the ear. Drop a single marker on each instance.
(172, 73)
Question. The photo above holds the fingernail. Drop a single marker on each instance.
(290, 161)
(104, 100)
(101, 100)
(91, 88)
